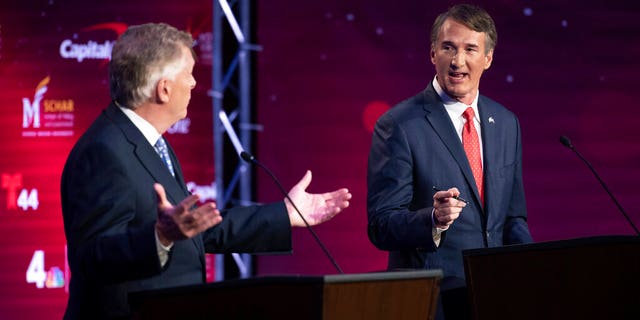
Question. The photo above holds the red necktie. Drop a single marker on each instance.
(471, 144)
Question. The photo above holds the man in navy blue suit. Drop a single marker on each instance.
(426, 143)
(130, 222)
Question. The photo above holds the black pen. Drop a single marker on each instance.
(457, 197)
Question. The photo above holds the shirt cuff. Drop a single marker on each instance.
(436, 232)
(163, 251)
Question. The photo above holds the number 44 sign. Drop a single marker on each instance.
(54, 278)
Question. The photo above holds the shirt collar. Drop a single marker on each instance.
(147, 129)
(454, 106)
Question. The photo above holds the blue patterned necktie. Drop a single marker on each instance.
(163, 152)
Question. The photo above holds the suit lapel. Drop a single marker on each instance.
(147, 156)
(439, 119)
(489, 142)
(177, 169)
(197, 241)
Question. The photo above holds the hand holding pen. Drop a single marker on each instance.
(436, 189)
(446, 212)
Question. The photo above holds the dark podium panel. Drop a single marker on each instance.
(587, 278)
(387, 295)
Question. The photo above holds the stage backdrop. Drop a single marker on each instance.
(326, 72)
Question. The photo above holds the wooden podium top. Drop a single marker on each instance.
(382, 276)
(379, 295)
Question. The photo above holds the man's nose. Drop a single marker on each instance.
(458, 59)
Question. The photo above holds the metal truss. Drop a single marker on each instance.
(231, 94)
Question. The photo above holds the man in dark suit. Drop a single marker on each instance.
(452, 138)
(129, 219)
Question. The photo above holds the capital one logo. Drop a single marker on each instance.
(91, 49)
(205, 192)
(31, 109)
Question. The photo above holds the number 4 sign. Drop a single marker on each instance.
(54, 278)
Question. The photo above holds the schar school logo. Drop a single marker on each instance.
(92, 49)
(47, 117)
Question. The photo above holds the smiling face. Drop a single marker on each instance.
(460, 57)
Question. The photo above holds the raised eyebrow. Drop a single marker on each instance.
(472, 46)
(447, 43)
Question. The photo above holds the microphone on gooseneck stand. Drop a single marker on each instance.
(567, 143)
(251, 159)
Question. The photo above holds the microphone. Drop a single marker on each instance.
(248, 158)
(567, 143)
(251, 159)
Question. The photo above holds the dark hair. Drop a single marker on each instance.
(474, 17)
(142, 55)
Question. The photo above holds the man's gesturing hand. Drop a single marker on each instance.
(316, 207)
(184, 220)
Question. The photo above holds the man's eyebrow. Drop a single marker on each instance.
(451, 43)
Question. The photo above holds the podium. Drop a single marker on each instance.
(385, 295)
(586, 278)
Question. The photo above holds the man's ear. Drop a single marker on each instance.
(163, 90)
(488, 58)
(432, 55)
